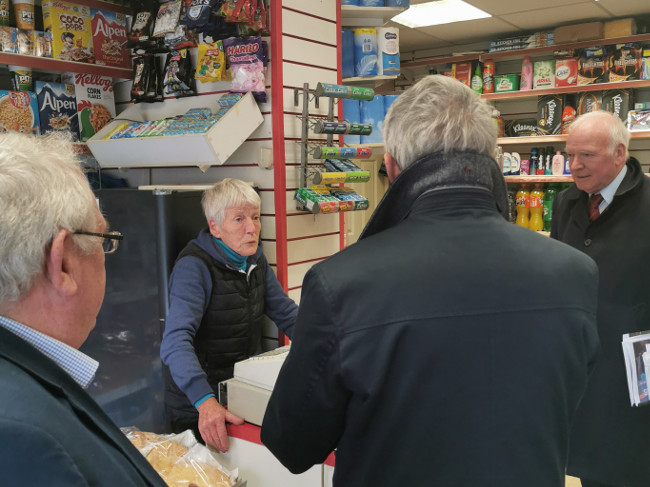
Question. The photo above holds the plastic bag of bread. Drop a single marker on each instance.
(181, 460)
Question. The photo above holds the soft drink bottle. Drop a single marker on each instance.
(549, 196)
(536, 221)
(523, 206)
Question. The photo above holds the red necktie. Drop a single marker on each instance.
(594, 201)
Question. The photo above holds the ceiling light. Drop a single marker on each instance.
(439, 12)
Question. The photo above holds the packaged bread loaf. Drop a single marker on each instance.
(180, 460)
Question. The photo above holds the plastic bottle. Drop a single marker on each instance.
(549, 196)
(512, 206)
(548, 164)
(526, 74)
(532, 163)
(523, 206)
(567, 169)
(476, 82)
(557, 166)
(507, 162)
(515, 163)
(488, 76)
(498, 121)
(540, 162)
(536, 221)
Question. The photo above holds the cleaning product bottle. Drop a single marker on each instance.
(477, 80)
(557, 167)
(526, 74)
(488, 76)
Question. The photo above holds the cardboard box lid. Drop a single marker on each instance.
(578, 32)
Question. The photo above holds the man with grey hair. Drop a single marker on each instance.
(52, 244)
(606, 215)
(447, 346)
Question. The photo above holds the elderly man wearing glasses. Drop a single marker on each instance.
(52, 244)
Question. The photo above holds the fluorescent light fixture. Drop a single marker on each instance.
(439, 12)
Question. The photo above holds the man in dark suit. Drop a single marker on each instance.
(52, 244)
(447, 346)
(606, 215)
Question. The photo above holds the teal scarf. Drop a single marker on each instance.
(233, 257)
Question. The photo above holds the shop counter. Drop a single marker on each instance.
(259, 468)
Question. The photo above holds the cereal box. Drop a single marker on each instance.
(109, 38)
(8, 39)
(57, 107)
(18, 112)
(95, 102)
(71, 30)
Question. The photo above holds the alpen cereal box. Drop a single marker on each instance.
(109, 38)
(57, 106)
(18, 112)
(71, 30)
(95, 102)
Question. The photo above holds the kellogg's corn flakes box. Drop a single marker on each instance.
(95, 102)
(71, 30)
(109, 38)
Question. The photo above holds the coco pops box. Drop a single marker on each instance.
(71, 30)
(109, 38)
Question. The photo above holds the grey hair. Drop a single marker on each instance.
(438, 113)
(617, 132)
(42, 190)
(226, 194)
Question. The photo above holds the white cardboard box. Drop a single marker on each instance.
(212, 148)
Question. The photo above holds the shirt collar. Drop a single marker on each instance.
(77, 364)
(609, 191)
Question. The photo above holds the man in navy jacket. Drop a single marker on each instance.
(448, 346)
(52, 277)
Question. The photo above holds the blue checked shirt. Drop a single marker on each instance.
(78, 365)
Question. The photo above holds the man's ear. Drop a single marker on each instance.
(619, 155)
(60, 261)
(392, 169)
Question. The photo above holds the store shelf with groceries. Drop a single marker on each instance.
(539, 179)
(620, 85)
(520, 53)
(50, 65)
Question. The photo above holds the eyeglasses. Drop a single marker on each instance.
(110, 242)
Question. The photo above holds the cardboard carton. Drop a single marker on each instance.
(619, 28)
(579, 32)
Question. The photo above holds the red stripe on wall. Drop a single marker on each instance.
(300, 38)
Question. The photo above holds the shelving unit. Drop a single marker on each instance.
(51, 65)
(539, 179)
(550, 139)
(519, 53)
(368, 79)
(353, 16)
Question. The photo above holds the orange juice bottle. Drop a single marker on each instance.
(523, 206)
(536, 221)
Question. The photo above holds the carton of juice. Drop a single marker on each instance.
(71, 30)
(109, 38)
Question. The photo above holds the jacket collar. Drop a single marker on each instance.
(631, 180)
(455, 171)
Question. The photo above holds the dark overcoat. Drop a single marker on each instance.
(609, 442)
(450, 348)
(52, 433)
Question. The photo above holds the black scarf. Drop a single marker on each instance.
(457, 169)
